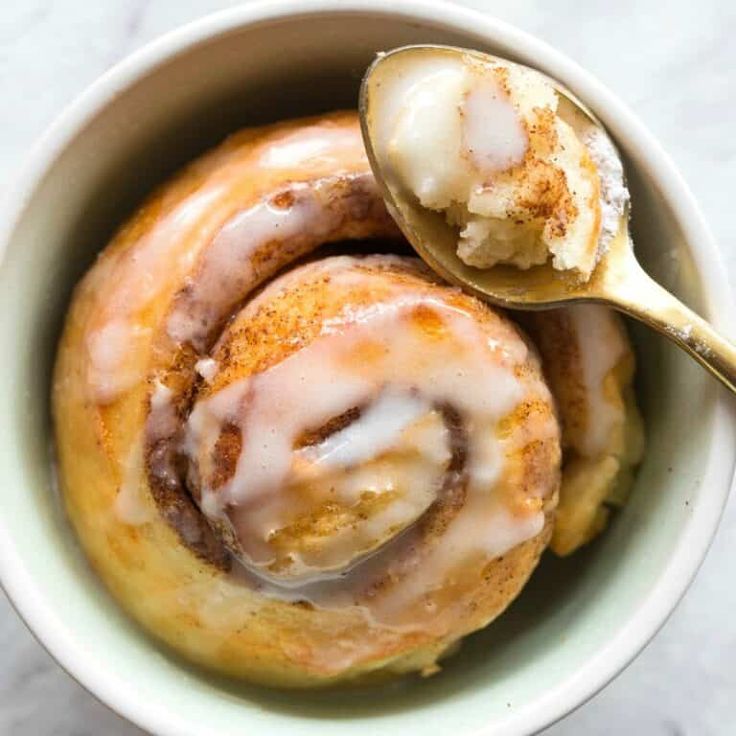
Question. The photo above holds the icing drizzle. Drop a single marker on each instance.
(402, 361)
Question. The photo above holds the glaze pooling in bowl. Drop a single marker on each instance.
(253, 64)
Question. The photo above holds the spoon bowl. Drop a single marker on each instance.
(618, 279)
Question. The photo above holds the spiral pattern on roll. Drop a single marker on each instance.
(306, 468)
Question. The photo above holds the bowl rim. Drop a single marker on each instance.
(675, 577)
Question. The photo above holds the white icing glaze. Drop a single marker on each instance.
(312, 144)
(112, 366)
(114, 342)
(230, 268)
(207, 368)
(392, 103)
(167, 256)
(161, 396)
(601, 346)
(228, 264)
(429, 122)
(398, 445)
(375, 432)
(162, 420)
(481, 142)
(465, 119)
(493, 132)
(483, 524)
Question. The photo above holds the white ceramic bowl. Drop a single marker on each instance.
(578, 622)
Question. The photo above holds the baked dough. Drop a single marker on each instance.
(166, 343)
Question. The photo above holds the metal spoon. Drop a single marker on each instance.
(618, 279)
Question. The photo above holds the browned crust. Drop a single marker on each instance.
(554, 334)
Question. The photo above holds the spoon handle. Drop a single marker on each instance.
(639, 296)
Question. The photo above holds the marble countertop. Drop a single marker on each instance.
(674, 63)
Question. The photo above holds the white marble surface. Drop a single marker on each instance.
(675, 64)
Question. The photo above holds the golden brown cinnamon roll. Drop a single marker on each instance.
(301, 478)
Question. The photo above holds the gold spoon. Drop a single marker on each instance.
(618, 279)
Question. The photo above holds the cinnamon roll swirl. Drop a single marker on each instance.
(295, 467)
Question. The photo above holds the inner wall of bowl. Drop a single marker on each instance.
(281, 69)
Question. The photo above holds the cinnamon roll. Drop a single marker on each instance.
(341, 472)
(291, 464)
